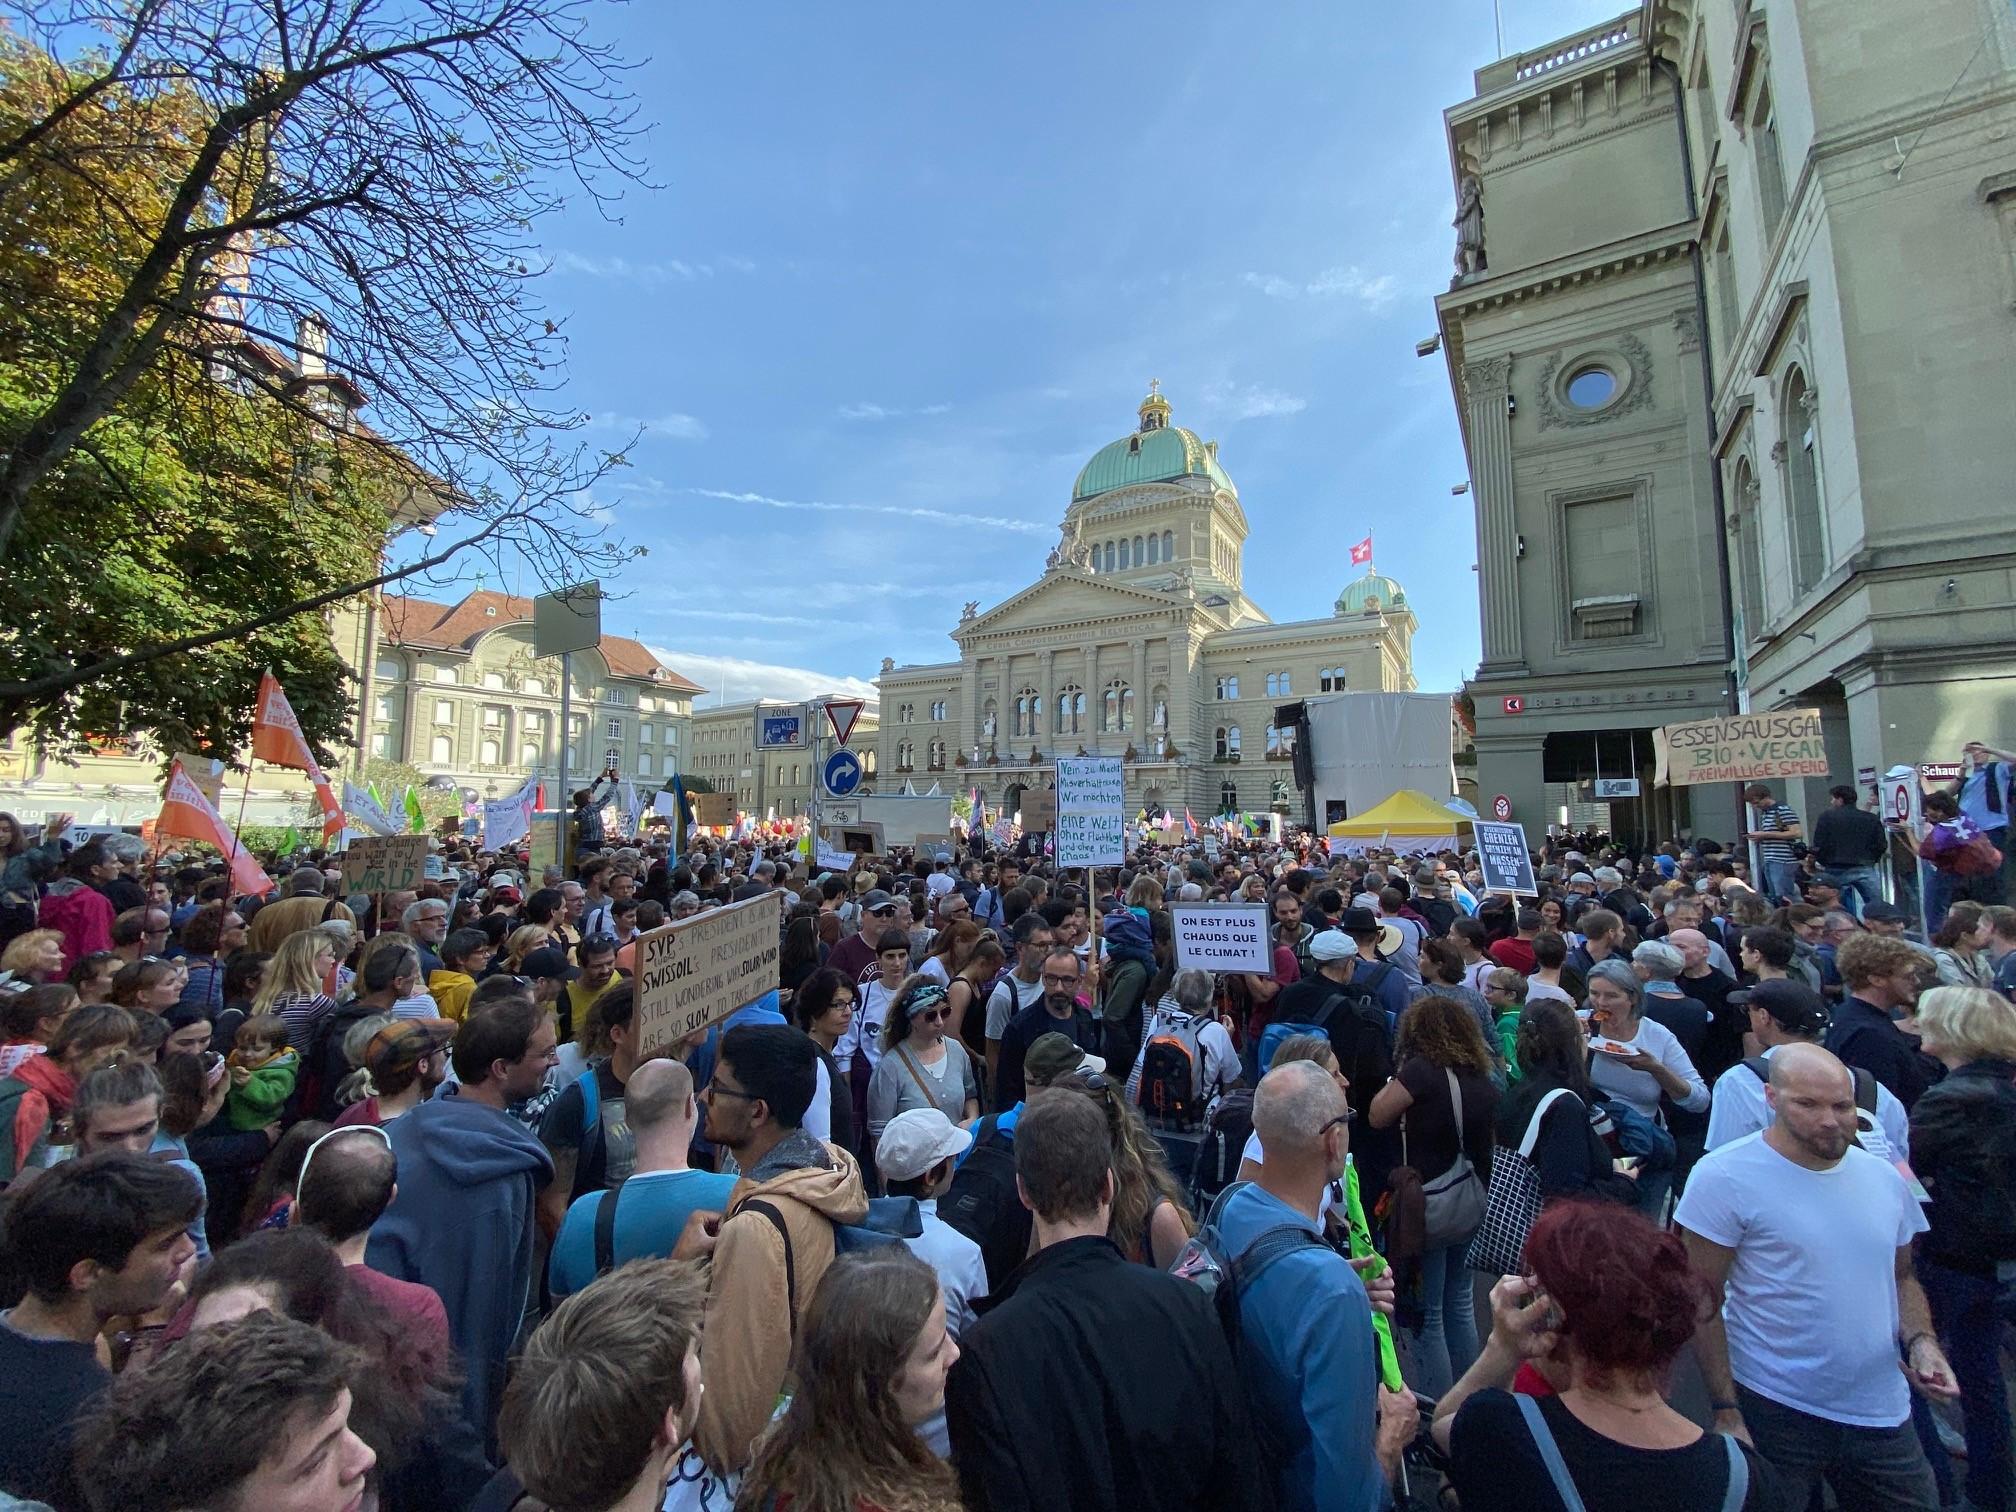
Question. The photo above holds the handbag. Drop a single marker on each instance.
(1455, 1199)
(1513, 1202)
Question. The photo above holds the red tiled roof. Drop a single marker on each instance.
(455, 627)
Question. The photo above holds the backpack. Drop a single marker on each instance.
(1865, 1084)
(1344, 998)
(1225, 1134)
(984, 1204)
(1978, 857)
(890, 1220)
(1172, 1071)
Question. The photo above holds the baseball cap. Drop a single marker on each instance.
(1054, 1056)
(403, 1045)
(1793, 1005)
(548, 963)
(875, 898)
(915, 1141)
(1332, 945)
(506, 894)
(1884, 913)
(1581, 879)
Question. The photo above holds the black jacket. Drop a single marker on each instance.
(1963, 1148)
(1846, 837)
(1102, 1386)
(1863, 1035)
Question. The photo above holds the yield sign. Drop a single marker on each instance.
(842, 716)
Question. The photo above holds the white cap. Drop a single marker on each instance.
(915, 1141)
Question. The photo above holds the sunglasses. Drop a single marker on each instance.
(1343, 1118)
(934, 1015)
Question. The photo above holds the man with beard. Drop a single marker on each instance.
(1058, 1012)
(1806, 1240)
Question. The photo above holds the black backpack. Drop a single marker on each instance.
(1865, 1085)
(984, 1204)
(1225, 1134)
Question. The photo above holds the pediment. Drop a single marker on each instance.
(1067, 598)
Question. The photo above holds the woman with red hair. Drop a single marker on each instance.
(1608, 1304)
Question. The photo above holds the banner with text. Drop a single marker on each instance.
(1504, 859)
(1091, 811)
(694, 973)
(1741, 748)
(1222, 937)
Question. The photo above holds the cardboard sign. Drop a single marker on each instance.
(1039, 809)
(384, 863)
(714, 810)
(1741, 748)
(1222, 937)
(694, 973)
(1091, 811)
(860, 839)
(1502, 856)
(936, 847)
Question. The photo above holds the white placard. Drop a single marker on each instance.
(1502, 855)
(1222, 937)
(1091, 811)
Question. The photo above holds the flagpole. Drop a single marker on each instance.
(244, 793)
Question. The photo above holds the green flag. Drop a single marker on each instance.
(372, 789)
(290, 842)
(414, 817)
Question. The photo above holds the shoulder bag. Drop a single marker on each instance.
(1455, 1199)
(1513, 1202)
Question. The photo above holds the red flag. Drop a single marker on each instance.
(186, 812)
(1361, 554)
(278, 741)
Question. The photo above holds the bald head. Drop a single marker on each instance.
(1292, 1108)
(1692, 945)
(658, 1093)
(1809, 1068)
(1812, 1102)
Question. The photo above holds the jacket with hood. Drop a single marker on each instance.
(753, 1302)
(31, 1100)
(451, 990)
(79, 913)
(461, 1222)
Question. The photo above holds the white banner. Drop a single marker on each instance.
(506, 821)
(1091, 811)
(364, 810)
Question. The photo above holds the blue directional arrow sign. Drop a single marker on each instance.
(842, 773)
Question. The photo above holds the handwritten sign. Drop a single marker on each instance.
(1222, 936)
(384, 863)
(693, 974)
(1504, 859)
(1091, 811)
(713, 810)
(1039, 810)
(1742, 748)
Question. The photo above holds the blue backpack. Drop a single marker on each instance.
(1344, 1000)
(1632, 1133)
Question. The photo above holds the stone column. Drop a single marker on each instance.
(1046, 690)
(1486, 390)
(969, 707)
(1142, 712)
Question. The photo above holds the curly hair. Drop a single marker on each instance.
(1627, 1296)
(842, 1442)
(1864, 958)
(1444, 1032)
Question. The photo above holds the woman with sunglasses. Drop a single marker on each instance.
(921, 1067)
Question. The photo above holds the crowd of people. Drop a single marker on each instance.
(318, 1202)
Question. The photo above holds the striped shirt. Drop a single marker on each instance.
(1777, 817)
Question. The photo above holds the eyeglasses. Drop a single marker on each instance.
(1059, 981)
(715, 1089)
(1340, 1120)
(1091, 1081)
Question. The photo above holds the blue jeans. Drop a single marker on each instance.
(1445, 1345)
(1969, 1312)
(1870, 1469)
(1781, 879)
(1860, 886)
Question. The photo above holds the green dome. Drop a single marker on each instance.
(1369, 592)
(1157, 453)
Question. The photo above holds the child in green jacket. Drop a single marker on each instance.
(263, 1069)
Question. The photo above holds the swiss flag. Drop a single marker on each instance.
(1362, 552)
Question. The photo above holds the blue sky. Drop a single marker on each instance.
(906, 267)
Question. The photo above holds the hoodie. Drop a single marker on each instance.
(452, 990)
(461, 1222)
(753, 1302)
(80, 914)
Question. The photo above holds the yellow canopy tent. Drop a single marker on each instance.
(1406, 821)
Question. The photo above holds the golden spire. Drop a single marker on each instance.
(1155, 408)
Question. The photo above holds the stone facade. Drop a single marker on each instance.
(1139, 641)
(1734, 376)
(724, 752)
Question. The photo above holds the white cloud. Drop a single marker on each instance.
(944, 516)
(672, 426)
(1374, 293)
(652, 273)
(1252, 402)
(733, 679)
(748, 617)
(866, 411)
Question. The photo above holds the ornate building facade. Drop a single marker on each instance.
(1139, 641)
(724, 752)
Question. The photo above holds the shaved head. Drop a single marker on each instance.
(1812, 1098)
(1293, 1105)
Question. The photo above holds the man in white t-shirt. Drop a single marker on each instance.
(1791, 1013)
(1807, 1241)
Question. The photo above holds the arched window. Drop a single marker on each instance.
(1154, 550)
(528, 754)
(1116, 713)
(1228, 797)
(1028, 712)
(868, 761)
(1140, 556)
(1749, 551)
(643, 763)
(1331, 680)
(1800, 427)
(1126, 559)
(1168, 545)
(1112, 557)
(1070, 709)
(441, 751)
(489, 754)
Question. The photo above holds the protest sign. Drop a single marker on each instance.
(1222, 937)
(1504, 859)
(713, 810)
(1039, 809)
(1741, 748)
(1091, 811)
(694, 973)
(384, 863)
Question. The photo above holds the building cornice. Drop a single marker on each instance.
(1648, 249)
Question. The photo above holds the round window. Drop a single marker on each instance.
(1591, 387)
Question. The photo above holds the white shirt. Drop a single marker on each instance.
(1537, 991)
(962, 1277)
(818, 1119)
(934, 968)
(1739, 1109)
(865, 1032)
(1007, 1000)
(1474, 974)
(1640, 1088)
(1408, 957)
(1811, 1302)
(1220, 1066)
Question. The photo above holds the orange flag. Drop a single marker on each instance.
(186, 812)
(277, 740)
